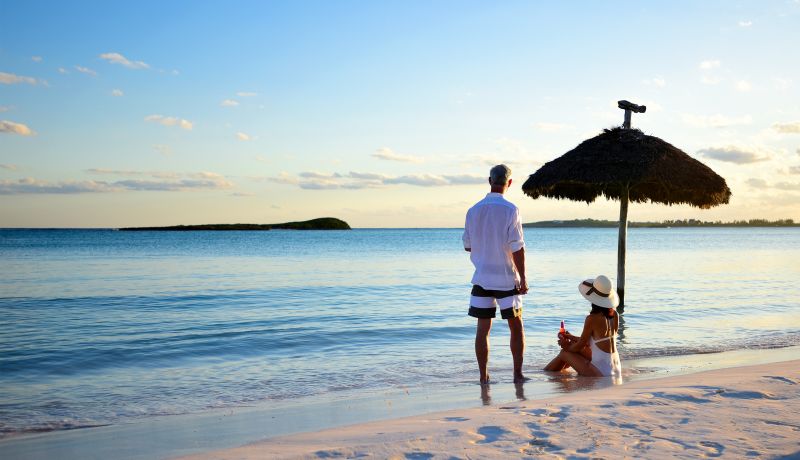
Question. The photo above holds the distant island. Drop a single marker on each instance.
(323, 223)
(582, 223)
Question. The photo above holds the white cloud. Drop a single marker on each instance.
(787, 128)
(5, 108)
(284, 178)
(117, 93)
(762, 184)
(162, 149)
(732, 154)
(63, 71)
(367, 176)
(743, 85)
(229, 103)
(551, 127)
(173, 186)
(129, 172)
(171, 183)
(465, 179)
(706, 66)
(716, 121)
(9, 127)
(86, 70)
(243, 137)
(385, 153)
(207, 175)
(242, 194)
(116, 58)
(311, 180)
(36, 58)
(781, 84)
(421, 180)
(790, 186)
(9, 167)
(745, 23)
(11, 79)
(318, 175)
(794, 170)
(246, 94)
(30, 185)
(658, 82)
(169, 121)
(757, 183)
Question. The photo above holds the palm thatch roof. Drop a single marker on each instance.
(654, 170)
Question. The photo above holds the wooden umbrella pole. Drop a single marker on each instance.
(628, 107)
(623, 235)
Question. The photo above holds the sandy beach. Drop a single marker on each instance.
(738, 412)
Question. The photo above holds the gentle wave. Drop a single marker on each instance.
(102, 327)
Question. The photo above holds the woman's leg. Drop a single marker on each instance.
(557, 364)
(576, 361)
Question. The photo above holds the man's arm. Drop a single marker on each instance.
(519, 262)
(465, 236)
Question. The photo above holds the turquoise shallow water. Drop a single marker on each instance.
(102, 327)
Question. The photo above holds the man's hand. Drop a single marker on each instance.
(519, 263)
(523, 286)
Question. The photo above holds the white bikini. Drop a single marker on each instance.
(606, 363)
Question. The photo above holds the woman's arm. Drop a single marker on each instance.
(583, 341)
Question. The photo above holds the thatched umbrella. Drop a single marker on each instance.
(627, 165)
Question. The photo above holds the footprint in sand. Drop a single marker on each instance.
(329, 454)
(782, 379)
(536, 430)
(418, 455)
(712, 449)
(491, 433)
(543, 444)
(455, 419)
(558, 414)
(678, 397)
(779, 423)
(747, 395)
(540, 441)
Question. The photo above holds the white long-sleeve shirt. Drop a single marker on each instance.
(492, 232)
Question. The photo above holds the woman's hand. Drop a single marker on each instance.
(572, 338)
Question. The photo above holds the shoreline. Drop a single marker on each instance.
(747, 411)
(213, 431)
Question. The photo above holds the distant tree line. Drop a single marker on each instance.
(580, 223)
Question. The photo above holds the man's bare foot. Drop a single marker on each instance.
(485, 381)
(519, 378)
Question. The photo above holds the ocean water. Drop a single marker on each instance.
(101, 327)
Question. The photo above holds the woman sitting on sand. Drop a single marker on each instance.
(594, 353)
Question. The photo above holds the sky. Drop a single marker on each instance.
(385, 113)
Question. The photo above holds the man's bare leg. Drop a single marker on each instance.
(482, 347)
(517, 343)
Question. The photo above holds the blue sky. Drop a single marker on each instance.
(386, 114)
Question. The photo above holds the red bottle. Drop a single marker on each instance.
(562, 331)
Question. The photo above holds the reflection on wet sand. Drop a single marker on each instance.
(486, 394)
(568, 382)
(520, 391)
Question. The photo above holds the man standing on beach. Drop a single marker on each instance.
(493, 236)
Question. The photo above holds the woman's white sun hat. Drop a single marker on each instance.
(600, 292)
